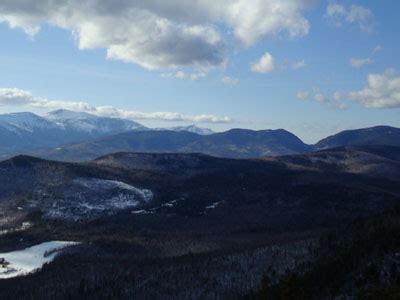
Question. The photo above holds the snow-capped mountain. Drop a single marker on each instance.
(88, 123)
(190, 128)
(25, 121)
(25, 131)
(64, 114)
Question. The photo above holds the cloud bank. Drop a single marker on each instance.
(159, 34)
(381, 91)
(17, 97)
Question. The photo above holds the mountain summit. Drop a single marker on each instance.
(25, 132)
(378, 135)
(96, 125)
(193, 129)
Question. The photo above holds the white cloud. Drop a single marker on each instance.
(335, 100)
(303, 95)
(354, 14)
(320, 98)
(360, 62)
(183, 75)
(377, 49)
(264, 65)
(254, 19)
(13, 96)
(17, 97)
(197, 75)
(161, 34)
(334, 9)
(180, 75)
(230, 80)
(382, 91)
(299, 65)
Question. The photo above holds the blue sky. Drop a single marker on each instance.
(210, 70)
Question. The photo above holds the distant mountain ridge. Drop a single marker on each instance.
(24, 132)
(379, 135)
(84, 122)
(234, 143)
(190, 128)
(69, 135)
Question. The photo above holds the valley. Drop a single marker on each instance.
(170, 214)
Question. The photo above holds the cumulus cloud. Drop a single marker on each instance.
(161, 34)
(360, 62)
(264, 65)
(335, 100)
(17, 97)
(355, 14)
(319, 97)
(253, 19)
(382, 91)
(230, 80)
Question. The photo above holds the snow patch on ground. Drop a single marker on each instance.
(22, 262)
(212, 206)
(24, 226)
(162, 208)
(92, 197)
(104, 185)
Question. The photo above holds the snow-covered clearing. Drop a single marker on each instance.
(87, 198)
(22, 262)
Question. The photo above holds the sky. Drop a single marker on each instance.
(311, 67)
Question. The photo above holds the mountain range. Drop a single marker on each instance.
(235, 143)
(77, 136)
(186, 212)
(21, 132)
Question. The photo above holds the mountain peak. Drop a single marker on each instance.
(25, 121)
(378, 135)
(194, 129)
(65, 114)
(20, 116)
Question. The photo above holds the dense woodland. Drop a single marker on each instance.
(358, 261)
(313, 226)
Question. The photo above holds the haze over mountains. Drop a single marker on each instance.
(68, 135)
